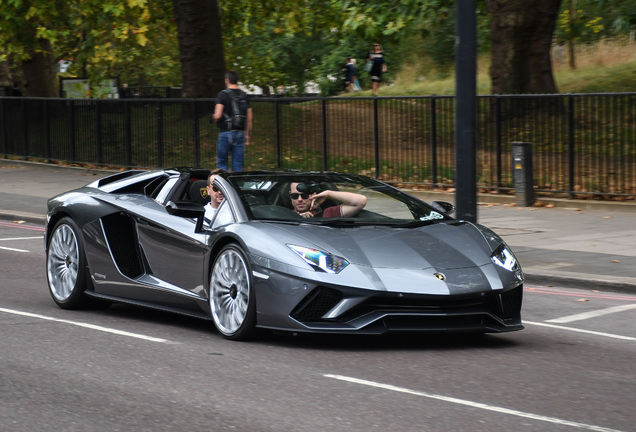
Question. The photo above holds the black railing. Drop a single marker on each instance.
(583, 144)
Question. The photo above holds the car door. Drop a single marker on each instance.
(169, 258)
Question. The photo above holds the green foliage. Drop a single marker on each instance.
(592, 20)
(286, 40)
(269, 42)
(132, 38)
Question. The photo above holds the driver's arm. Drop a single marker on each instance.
(351, 203)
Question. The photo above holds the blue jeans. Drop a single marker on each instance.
(230, 142)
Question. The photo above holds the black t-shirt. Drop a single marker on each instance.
(224, 99)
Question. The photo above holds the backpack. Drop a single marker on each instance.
(240, 104)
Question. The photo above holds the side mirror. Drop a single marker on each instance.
(443, 206)
(187, 209)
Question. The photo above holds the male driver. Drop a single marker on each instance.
(231, 140)
(308, 205)
(216, 197)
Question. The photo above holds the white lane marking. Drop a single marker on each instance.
(22, 238)
(85, 325)
(595, 333)
(592, 314)
(472, 404)
(13, 249)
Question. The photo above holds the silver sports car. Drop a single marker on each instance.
(294, 251)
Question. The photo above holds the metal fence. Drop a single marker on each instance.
(583, 144)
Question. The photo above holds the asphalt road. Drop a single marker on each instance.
(131, 369)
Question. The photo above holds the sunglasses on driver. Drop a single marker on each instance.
(295, 195)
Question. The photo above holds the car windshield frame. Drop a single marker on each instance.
(265, 197)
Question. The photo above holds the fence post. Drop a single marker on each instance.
(71, 128)
(571, 145)
(159, 134)
(25, 130)
(324, 134)
(98, 130)
(376, 138)
(47, 131)
(277, 129)
(128, 133)
(3, 127)
(498, 140)
(195, 134)
(433, 142)
(522, 173)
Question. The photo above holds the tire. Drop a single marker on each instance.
(66, 266)
(232, 302)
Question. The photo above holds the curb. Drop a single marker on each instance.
(33, 218)
(545, 278)
(7, 162)
(510, 200)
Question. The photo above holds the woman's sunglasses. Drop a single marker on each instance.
(295, 195)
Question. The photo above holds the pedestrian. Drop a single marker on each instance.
(351, 75)
(356, 82)
(233, 116)
(125, 92)
(378, 67)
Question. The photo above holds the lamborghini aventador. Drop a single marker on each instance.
(292, 251)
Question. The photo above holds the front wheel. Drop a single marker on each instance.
(232, 302)
(66, 266)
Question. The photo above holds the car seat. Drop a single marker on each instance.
(198, 192)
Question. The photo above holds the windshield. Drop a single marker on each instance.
(329, 199)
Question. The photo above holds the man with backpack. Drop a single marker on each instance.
(233, 115)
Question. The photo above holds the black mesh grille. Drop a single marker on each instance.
(505, 305)
(317, 303)
(386, 311)
(122, 240)
(511, 303)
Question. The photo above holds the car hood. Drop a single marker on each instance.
(438, 259)
(441, 246)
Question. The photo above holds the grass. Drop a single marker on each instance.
(604, 67)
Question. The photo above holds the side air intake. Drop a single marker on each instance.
(121, 235)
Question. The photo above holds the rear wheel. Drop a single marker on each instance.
(66, 266)
(232, 300)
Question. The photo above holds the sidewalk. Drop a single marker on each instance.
(582, 244)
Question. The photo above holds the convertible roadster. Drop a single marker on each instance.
(395, 264)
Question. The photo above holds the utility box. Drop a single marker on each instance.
(522, 173)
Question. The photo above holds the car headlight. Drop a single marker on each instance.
(503, 257)
(320, 260)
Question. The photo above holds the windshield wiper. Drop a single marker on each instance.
(354, 222)
(419, 223)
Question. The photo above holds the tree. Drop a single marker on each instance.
(25, 43)
(200, 47)
(521, 37)
(280, 42)
(35, 34)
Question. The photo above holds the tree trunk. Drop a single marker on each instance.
(200, 47)
(521, 37)
(40, 79)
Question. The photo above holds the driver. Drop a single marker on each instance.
(308, 204)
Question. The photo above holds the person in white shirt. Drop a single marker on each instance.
(216, 197)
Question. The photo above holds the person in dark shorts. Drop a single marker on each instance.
(378, 67)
